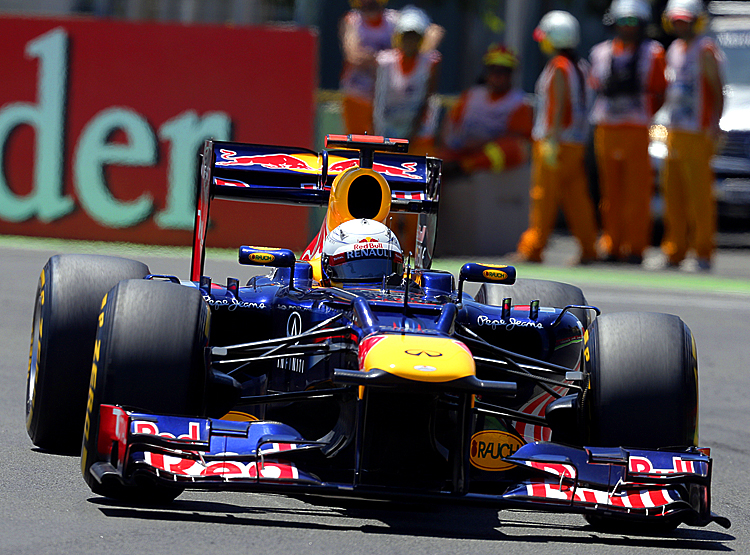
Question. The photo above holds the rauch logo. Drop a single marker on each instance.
(488, 448)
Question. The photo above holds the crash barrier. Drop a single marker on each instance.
(102, 122)
(483, 214)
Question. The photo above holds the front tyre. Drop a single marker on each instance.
(150, 355)
(643, 374)
(68, 300)
(549, 293)
(644, 381)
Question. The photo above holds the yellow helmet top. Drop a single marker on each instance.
(500, 55)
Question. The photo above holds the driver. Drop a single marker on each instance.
(361, 252)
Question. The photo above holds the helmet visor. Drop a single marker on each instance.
(364, 265)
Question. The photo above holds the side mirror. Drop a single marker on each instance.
(485, 273)
(275, 258)
(261, 256)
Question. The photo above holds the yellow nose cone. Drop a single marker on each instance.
(421, 358)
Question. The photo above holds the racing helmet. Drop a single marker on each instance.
(360, 251)
(558, 29)
(623, 9)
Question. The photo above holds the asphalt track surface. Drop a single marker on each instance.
(45, 507)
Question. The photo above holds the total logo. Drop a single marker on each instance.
(489, 447)
(425, 368)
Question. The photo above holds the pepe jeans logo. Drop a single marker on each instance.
(509, 324)
(420, 352)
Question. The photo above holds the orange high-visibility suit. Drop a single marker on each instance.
(485, 131)
(630, 84)
(694, 102)
(361, 40)
(557, 161)
(405, 104)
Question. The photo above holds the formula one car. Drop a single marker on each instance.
(357, 371)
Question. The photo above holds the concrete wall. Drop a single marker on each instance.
(483, 214)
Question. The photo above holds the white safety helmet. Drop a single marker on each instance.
(629, 8)
(412, 19)
(560, 29)
(683, 9)
(360, 251)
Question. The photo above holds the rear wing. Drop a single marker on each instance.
(303, 177)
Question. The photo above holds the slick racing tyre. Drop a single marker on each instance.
(643, 392)
(150, 355)
(549, 293)
(68, 300)
(643, 374)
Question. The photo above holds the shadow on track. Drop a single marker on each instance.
(404, 519)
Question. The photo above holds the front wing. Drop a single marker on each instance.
(636, 484)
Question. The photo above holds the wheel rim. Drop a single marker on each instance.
(33, 358)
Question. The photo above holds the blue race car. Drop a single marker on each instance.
(357, 371)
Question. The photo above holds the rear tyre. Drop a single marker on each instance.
(549, 293)
(152, 356)
(643, 391)
(68, 300)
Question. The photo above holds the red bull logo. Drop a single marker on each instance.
(279, 161)
(406, 170)
(368, 243)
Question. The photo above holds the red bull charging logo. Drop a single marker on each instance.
(282, 161)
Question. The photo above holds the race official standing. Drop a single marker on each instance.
(405, 105)
(560, 133)
(694, 103)
(627, 74)
(364, 31)
(489, 128)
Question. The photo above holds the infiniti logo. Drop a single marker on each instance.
(419, 352)
(293, 327)
(294, 324)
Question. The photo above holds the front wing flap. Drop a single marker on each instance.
(633, 484)
(194, 450)
(619, 482)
